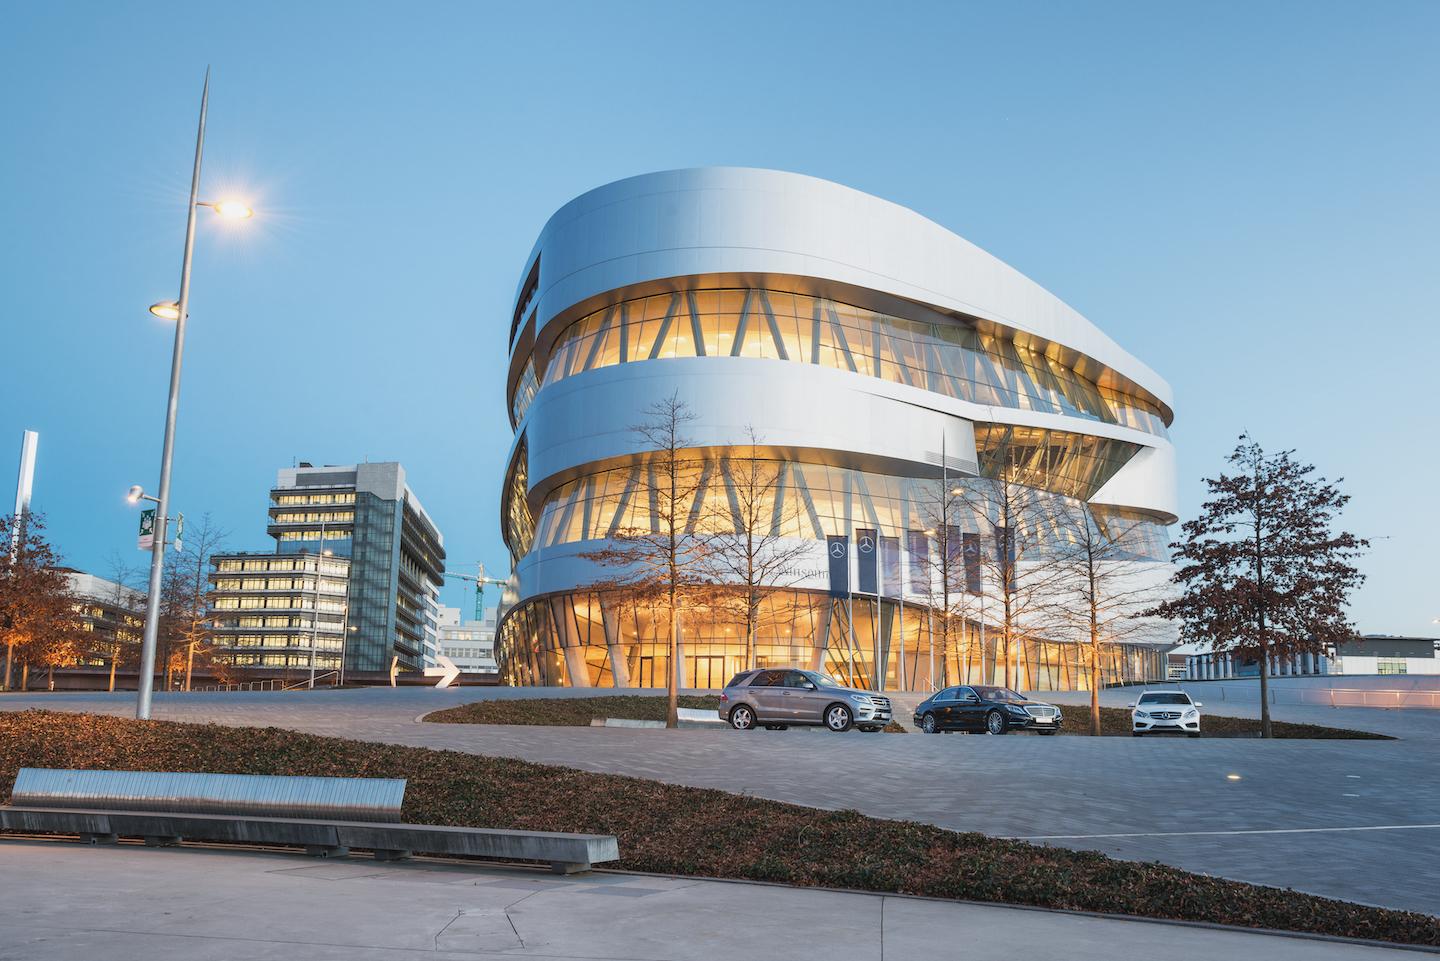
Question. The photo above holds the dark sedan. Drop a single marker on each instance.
(986, 709)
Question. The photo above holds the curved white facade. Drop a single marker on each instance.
(859, 339)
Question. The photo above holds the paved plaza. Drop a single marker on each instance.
(70, 902)
(1357, 820)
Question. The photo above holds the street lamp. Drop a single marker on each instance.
(178, 311)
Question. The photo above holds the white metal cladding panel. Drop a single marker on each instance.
(740, 220)
(588, 419)
(325, 798)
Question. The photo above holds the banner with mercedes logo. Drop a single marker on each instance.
(837, 546)
(868, 557)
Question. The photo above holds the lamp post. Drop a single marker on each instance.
(177, 311)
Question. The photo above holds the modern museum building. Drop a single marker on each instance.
(774, 372)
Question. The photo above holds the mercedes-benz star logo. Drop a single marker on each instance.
(837, 549)
(866, 544)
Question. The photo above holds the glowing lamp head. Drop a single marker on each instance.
(233, 210)
(135, 494)
(166, 310)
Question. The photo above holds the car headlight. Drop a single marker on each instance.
(1017, 709)
(1142, 714)
(860, 699)
(1192, 713)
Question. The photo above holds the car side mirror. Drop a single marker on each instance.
(1199, 703)
(809, 686)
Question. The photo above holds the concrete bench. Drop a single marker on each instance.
(326, 816)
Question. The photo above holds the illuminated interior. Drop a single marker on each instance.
(955, 359)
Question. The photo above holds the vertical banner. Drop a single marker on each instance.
(837, 546)
(890, 567)
(1005, 554)
(970, 548)
(147, 530)
(955, 558)
(867, 549)
(917, 545)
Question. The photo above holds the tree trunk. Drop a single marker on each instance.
(25, 676)
(1094, 684)
(50, 677)
(672, 706)
(189, 664)
(114, 662)
(1265, 692)
(9, 656)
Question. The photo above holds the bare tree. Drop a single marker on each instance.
(666, 557)
(942, 575)
(186, 599)
(753, 548)
(1261, 570)
(1109, 584)
(1019, 565)
(125, 597)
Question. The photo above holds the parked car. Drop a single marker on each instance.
(985, 708)
(1167, 712)
(776, 699)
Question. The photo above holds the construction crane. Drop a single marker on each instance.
(479, 580)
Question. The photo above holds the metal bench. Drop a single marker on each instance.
(326, 815)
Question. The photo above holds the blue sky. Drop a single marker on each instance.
(1244, 195)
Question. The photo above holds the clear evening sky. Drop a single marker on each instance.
(1244, 195)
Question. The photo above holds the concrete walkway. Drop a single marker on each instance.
(1357, 820)
(68, 902)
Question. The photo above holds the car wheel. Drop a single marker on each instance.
(838, 718)
(994, 723)
(742, 718)
(928, 725)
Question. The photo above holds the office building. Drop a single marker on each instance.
(469, 644)
(380, 560)
(876, 355)
(111, 615)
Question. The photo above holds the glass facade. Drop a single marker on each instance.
(525, 390)
(588, 639)
(955, 359)
(811, 501)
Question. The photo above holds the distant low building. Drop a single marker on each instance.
(1366, 654)
(469, 644)
(112, 614)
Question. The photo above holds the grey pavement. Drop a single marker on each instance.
(70, 902)
(1357, 820)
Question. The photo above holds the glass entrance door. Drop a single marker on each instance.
(707, 672)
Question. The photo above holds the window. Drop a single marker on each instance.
(1391, 665)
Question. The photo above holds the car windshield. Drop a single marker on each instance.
(823, 680)
(998, 694)
(1165, 697)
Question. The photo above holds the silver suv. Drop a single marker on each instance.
(775, 699)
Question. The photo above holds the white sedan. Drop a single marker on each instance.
(1169, 712)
